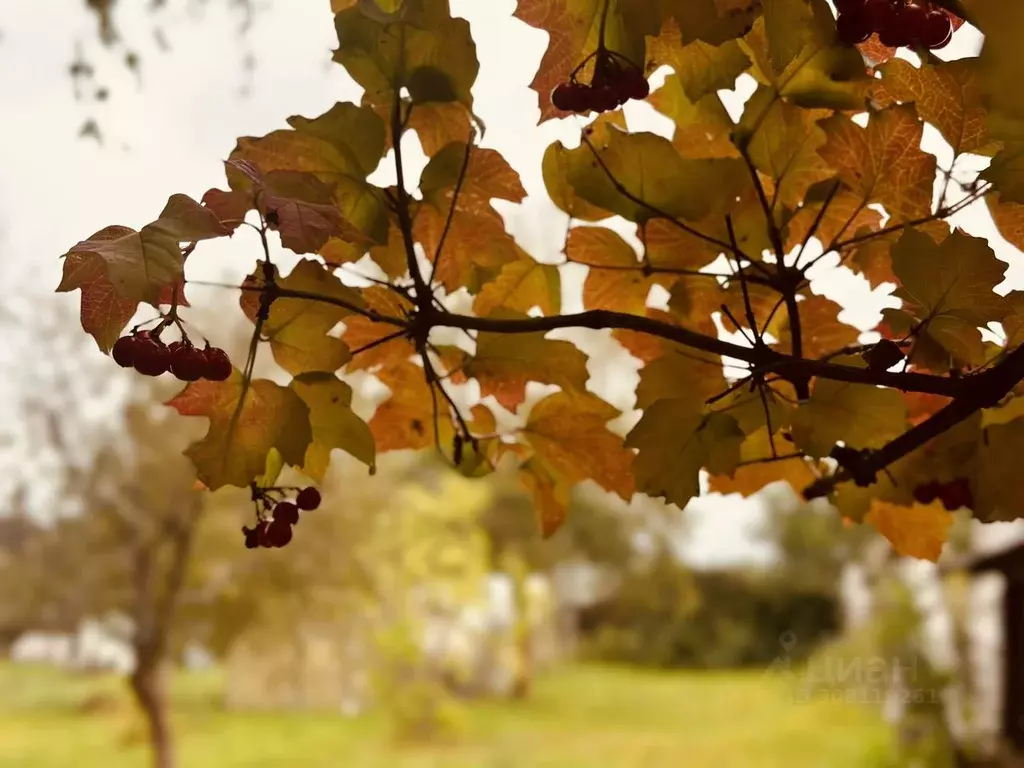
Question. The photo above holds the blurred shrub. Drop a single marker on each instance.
(669, 616)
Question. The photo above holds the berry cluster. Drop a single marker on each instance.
(953, 494)
(898, 23)
(276, 530)
(147, 354)
(616, 80)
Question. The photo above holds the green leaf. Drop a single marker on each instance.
(298, 328)
(272, 417)
(859, 415)
(700, 68)
(655, 179)
(520, 286)
(703, 127)
(333, 423)
(674, 440)
(422, 48)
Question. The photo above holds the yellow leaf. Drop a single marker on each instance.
(916, 531)
(333, 423)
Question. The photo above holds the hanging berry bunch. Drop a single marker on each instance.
(898, 23)
(146, 353)
(615, 81)
(276, 514)
(953, 494)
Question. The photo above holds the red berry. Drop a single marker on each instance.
(287, 513)
(937, 30)
(187, 362)
(152, 357)
(561, 97)
(252, 537)
(914, 18)
(635, 85)
(578, 97)
(849, 6)
(308, 498)
(926, 493)
(217, 365)
(123, 351)
(276, 534)
(956, 494)
(854, 27)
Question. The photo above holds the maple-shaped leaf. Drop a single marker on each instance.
(948, 95)
(702, 127)
(298, 328)
(674, 441)
(103, 312)
(300, 208)
(883, 163)
(713, 21)
(858, 415)
(641, 176)
(749, 479)
(505, 363)
(406, 418)
(476, 247)
(485, 175)
(229, 206)
(615, 279)
(423, 48)
(691, 375)
(873, 259)
(823, 333)
(340, 148)
(845, 215)
(333, 423)
(568, 430)
(234, 450)
(949, 288)
(362, 332)
(140, 265)
(1000, 62)
(551, 497)
(995, 472)
(438, 124)
(914, 531)
(520, 286)
(701, 68)
(822, 73)
(783, 142)
(573, 27)
(642, 346)
(1008, 218)
(1006, 173)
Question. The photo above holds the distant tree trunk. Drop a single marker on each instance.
(148, 683)
(517, 569)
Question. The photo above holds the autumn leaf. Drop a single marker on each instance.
(823, 333)
(749, 479)
(883, 163)
(406, 418)
(520, 286)
(656, 181)
(138, 265)
(674, 374)
(916, 531)
(340, 148)
(234, 451)
(995, 472)
(424, 49)
(550, 497)
(858, 415)
(615, 279)
(485, 175)
(948, 95)
(505, 363)
(333, 423)
(701, 68)
(299, 328)
(703, 126)
(674, 441)
(362, 332)
(949, 288)
(569, 434)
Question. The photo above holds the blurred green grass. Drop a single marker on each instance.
(579, 717)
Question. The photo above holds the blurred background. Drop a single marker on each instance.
(417, 619)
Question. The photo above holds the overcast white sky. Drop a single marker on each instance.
(171, 134)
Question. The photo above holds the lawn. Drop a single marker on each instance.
(581, 717)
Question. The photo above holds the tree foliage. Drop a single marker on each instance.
(933, 403)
